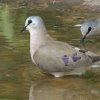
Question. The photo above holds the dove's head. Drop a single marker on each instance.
(33, 22)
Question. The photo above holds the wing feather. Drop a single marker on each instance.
(60, 57)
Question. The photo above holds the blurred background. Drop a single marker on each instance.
(18, 75)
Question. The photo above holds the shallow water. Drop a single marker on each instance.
(18, 74)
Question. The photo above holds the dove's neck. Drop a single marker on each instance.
(37, 38)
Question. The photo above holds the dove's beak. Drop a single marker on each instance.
(23, 29)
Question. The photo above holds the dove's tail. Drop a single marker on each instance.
(95, 59)
(96, 62)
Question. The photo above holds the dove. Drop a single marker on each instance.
(55, 57)
(89, 28)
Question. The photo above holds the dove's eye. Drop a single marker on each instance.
(29, 21)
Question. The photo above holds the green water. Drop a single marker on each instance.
(18, 73)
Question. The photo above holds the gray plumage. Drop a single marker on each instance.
(89, 28)
(49, 57)
(95, 27)
(54, 57)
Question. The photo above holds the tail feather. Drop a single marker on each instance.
(96, 61)
(95, 58)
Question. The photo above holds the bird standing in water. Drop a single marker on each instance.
(55, 57)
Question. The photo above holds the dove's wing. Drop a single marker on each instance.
(60, 57)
